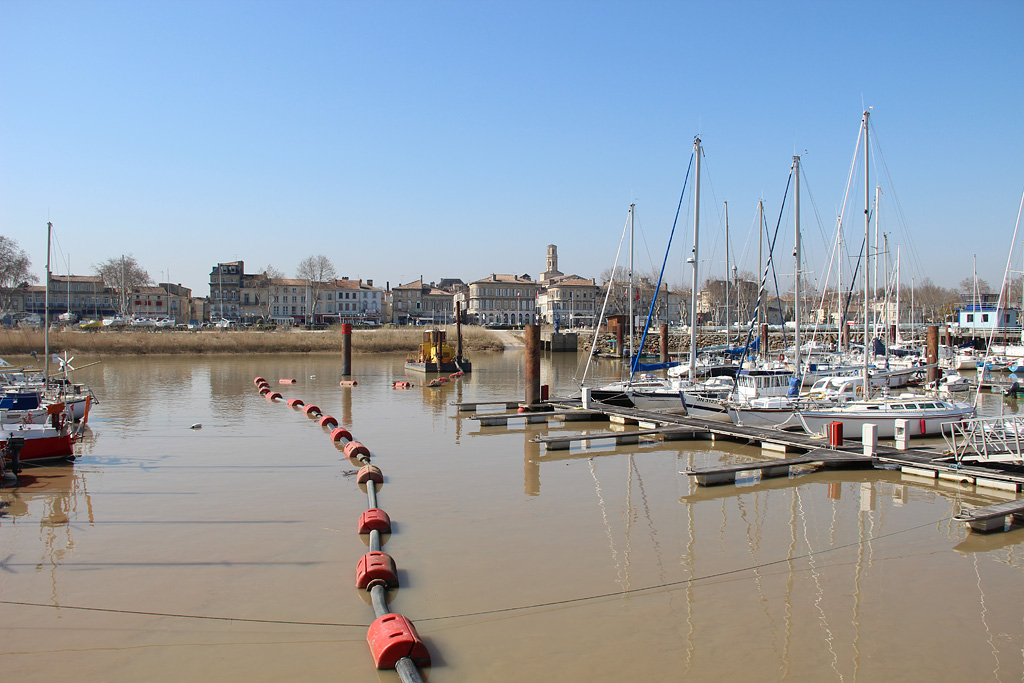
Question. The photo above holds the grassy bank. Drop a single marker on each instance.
(15, 342)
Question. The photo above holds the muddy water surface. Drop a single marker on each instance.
(228, 552)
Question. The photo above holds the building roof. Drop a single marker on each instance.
(505, 278)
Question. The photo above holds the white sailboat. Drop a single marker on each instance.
(924, 415)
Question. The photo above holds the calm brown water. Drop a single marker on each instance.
(599, 564)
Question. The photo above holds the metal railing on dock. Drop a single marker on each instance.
(986, 439)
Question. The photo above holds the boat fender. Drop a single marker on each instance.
(924, 426)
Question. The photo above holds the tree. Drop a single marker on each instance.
(967, 286)
(315, 270)
(122, 274)
(263, 285)
(14, 273)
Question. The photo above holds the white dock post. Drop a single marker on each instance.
(869, 436)
(588, 402)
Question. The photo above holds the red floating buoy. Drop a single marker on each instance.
(369, 473)
(402, 385)
(339, 433)
(264, 390)
(295, 402)
(434, 383)
(376, 567)
(286, 381)
(347, 383)
(354, 449)
(273, 395)
(392, 637)
(258, 381)
(374, 519)
(311, 410)
(327, 421)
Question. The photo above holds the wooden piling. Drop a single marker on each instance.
(532, 365)
(932, 352)
(664, 342)
(346, 350)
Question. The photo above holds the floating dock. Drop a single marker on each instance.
(785, 449)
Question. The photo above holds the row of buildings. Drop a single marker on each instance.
(497, 299)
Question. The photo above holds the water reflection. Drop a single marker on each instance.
(809, 577)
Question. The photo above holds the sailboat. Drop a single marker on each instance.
(922, 415)
(646, 391)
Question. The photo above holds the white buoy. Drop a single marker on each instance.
(197, 425)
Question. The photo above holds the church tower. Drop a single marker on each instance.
(551, 271)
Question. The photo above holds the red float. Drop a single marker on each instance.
(354, 449)
(264, 391)
(311, 410)
(286, 381)
(369, 473)
(327, 421)
(258, 380)
(392, 637)
(339, 433)
(295, 402)
(348, 383)
(374, 519)
(273, 395)
(376, 568)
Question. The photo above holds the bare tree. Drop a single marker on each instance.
(264, 277)
(967, 285)
(122, 274)
(315, 270)
(272, 272)
(14, 273)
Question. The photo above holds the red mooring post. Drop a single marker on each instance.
(664, 342)
(532, 365)
(620, 347)
(932, 352)
(346, 350)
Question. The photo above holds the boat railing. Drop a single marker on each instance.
(991, 439)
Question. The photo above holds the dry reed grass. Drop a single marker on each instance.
(126, 342)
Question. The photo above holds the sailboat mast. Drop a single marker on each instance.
(46, 312)
(867, 255)
(632, 320)
(796, 256)
(897, 338)
(728, 321)
(693, 258)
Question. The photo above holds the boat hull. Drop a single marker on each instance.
(42, 444)
(439, 368)
(817, 422)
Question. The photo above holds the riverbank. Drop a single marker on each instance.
(18, 342)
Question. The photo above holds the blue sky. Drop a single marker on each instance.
(456, 139)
